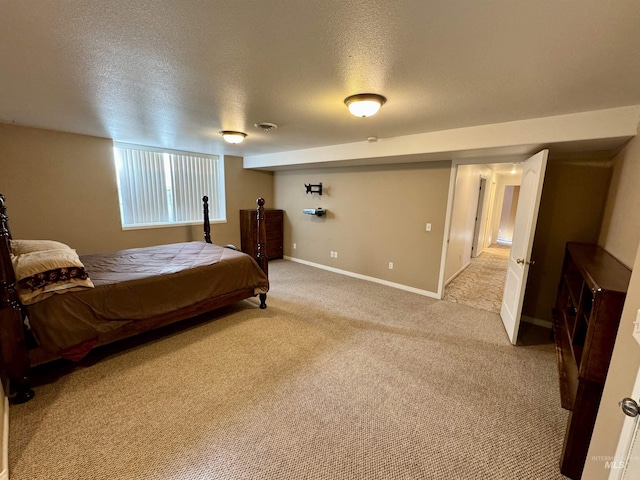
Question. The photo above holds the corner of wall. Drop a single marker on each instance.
(620, 230)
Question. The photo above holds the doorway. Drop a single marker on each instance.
(480, 234)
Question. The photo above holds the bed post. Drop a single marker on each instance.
(13, 350)
(207, 225)
(261, 250)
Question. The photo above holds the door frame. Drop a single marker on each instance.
(476, 246)
(455, 163)
(618, 464)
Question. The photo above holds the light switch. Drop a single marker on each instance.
(428, 227)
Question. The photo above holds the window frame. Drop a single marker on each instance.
(220, 187)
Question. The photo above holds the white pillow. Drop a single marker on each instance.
(44, 273)
(18, 247)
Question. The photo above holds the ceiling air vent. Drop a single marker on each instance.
(266, 126)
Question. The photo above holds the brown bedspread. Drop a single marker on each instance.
(136, 284)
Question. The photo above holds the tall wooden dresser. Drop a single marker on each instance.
(591, 295)
(249, 233)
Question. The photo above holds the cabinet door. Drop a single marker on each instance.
(274, 233)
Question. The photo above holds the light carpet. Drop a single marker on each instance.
(338, 379)
(481, 284)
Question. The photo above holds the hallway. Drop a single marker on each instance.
(481, 284)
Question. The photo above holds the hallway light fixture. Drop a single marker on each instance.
(233, 137)
(364, 104)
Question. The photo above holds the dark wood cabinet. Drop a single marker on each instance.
(591, 295)
(249, 232)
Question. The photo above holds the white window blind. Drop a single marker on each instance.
(166, 187)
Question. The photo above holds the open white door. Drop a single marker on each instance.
(625, 465)
(525, 226)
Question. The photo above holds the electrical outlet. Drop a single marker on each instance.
(295, 246)
(390, 265)
(428, 227)
(335, 254)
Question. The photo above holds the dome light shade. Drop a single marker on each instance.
(364, 104)
(233, 137)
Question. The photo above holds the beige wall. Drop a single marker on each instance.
(620, 236)
(483, 227)
(376, 215)
(571, 209)
(508, 214)
(501, 183)
(243, 187)
(463, 214)
(63, 186)
(620, 231)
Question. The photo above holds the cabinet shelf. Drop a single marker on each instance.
(591, 295)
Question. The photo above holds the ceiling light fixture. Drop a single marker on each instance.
(364, 104)
(233, 137)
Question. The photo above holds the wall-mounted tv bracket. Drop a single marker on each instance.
(314, 188)
(315, 211)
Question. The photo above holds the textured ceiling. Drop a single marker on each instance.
(174, 73)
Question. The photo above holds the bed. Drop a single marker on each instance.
(66, 305)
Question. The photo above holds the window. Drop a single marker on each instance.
(164, 187)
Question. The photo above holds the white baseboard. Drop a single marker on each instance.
(457, 273)
(4, 468)
(537, 321)
(399, 286)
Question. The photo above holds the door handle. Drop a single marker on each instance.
(629, 407)
(522, 261)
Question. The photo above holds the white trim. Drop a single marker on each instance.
(462, 269)
(623, 449)
(4, 468)
(425, 293)
(447, 227)
(537, 321)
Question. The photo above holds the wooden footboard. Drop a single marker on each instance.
(16, 357)
(261, 246)
(261, 250)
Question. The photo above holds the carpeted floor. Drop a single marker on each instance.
(481, 284)
(338, 379)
